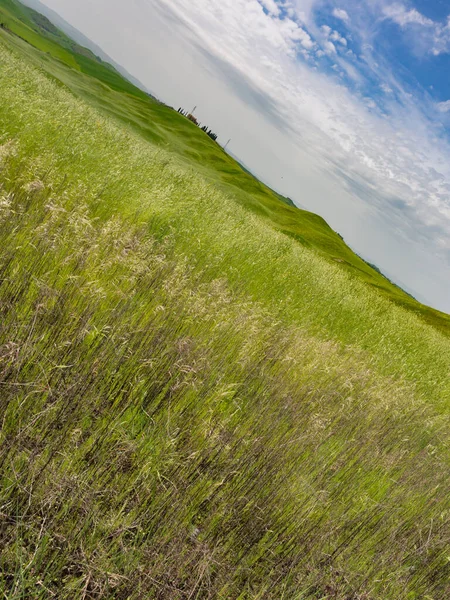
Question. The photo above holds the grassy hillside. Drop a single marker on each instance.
(104, 88)
(38, 31)
(195, 405)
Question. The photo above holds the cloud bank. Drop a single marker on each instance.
(389, 144)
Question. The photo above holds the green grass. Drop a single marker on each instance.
(195, 404)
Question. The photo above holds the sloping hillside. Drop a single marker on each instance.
(195, 403)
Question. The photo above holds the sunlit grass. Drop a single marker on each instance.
(193, 405)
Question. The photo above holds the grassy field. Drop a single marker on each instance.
(194, 404)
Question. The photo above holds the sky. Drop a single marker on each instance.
(342, 105)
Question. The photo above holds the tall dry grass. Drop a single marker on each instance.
(192, 405)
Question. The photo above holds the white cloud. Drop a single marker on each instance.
(303, 9)
(430, 37)
(386, 88)
(372, 105)
(271, 6)
(330, 37)
(337, 37)
(341, 14)
(402, 16)
(304, 38)
(329, 47)
(441, 39)
(444, 107)
(294, 33)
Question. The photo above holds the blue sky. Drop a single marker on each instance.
(342, 105)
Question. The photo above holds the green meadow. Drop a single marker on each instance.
(204, 393)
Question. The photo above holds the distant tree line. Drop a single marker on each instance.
(204, 128)
(211, 134)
